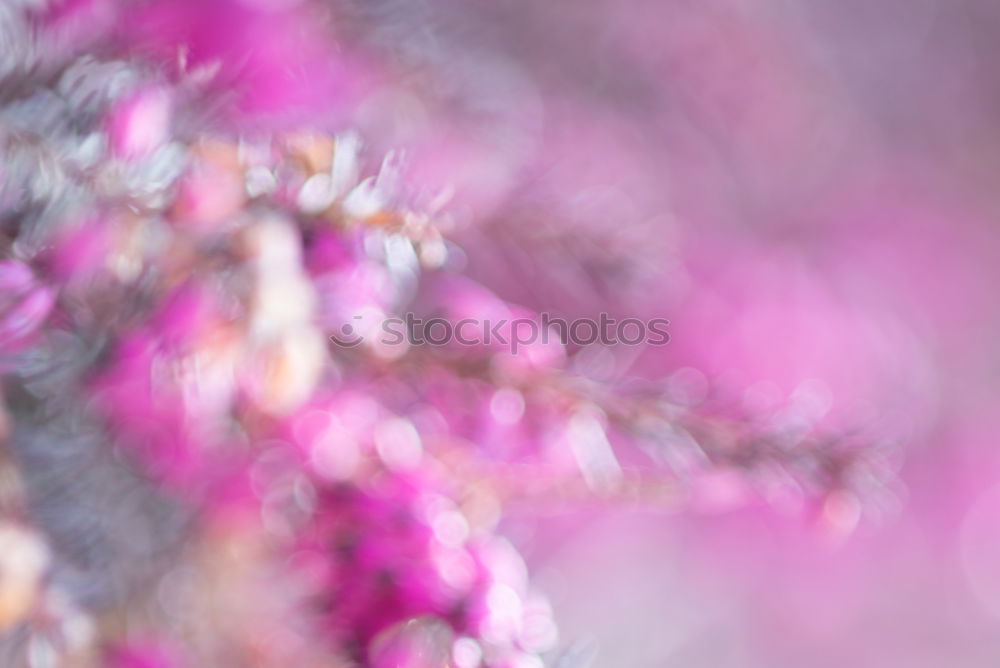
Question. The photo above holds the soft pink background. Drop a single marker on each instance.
(805, 189)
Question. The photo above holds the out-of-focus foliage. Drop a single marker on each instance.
(200, 199)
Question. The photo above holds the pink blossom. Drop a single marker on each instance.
(140, 123)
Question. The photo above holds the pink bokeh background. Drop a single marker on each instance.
(805, 189)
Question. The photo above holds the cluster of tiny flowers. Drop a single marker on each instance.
(166, 301)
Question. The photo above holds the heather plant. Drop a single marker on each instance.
(197, 471)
